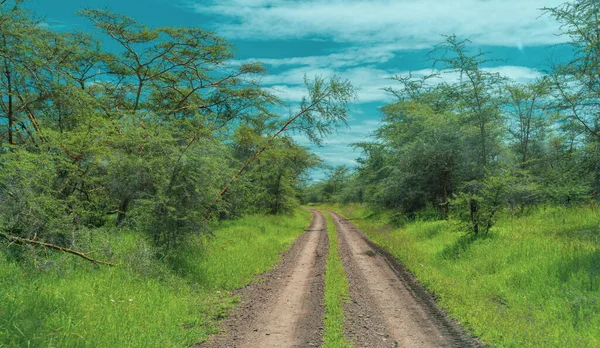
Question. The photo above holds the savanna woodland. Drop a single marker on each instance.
(145, 174)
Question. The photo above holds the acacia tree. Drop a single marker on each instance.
(178, 78)
(140, 137)
(577, 82)
(528, 108)
(319, 114)
(425, 149)
(479, 96)
(25, 72)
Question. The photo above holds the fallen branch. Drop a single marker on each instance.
(19, 240)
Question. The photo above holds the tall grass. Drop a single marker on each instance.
(60, 301)
(535, 281)
(336, 293)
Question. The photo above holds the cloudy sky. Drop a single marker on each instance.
(363, 41)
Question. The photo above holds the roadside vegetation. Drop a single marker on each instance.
(336, 292)
(534, 281)
(53, 299)
(487, 188)
(144, 173)
(162, 133)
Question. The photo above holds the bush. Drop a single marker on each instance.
(476, 207)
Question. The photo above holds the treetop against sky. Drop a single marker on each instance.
(363, 41)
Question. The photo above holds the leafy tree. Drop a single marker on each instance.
(577, 83)
(425, 155)
(479, 203)
(528, 118)
(479, 94)
(371, 170)
(144, 136)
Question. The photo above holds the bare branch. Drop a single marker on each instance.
(19, 240)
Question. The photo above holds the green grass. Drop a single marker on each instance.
(61, 301)
(534, 282)
(336, 293)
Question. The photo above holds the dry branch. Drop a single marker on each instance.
(19, 240)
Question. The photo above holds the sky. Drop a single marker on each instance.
(363, 41)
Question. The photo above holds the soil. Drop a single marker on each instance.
(285, 308)
(388, 307)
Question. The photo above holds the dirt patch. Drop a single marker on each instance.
(388, 307)
(286, 307)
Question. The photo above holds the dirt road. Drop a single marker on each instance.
(286, 308)
(388, 308)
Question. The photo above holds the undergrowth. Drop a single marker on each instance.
(336, 292)
(534, 281)
(57, 300)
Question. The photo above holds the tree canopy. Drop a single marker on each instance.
(153, 135)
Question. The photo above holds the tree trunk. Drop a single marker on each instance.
(445, 195)
(277, 194)
(122, 211)
(474, 219)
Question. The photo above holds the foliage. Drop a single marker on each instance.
(475, 144)
(533, 282)
(58, 300)
(479, 203)
(145, 134)
(576, 83)
(336, 292)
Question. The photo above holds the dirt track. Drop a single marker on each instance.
(286, 308)
(388, 308)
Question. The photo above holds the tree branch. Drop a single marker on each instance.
(19, 240)
(271, 140)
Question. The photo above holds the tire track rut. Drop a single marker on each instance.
(286, 307)
(388, 308)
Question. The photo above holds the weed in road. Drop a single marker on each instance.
(336, 292)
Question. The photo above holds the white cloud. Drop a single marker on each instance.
(348, 57)
(335, 150)
(370, 82)
(520, 74)
(414, 23)
(288, 93)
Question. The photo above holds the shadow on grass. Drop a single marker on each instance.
(583, 270)
(588, 235)
(28, 321)
(582, 274)
(462, 245)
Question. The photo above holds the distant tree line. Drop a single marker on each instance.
(483, 143)
(162, 134)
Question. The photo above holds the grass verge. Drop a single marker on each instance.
(534, 282)
(58, 300)
(336, 292)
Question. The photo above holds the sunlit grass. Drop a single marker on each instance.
(535, 281)
(336, 292)
(65, 302)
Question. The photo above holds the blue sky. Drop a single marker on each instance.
(363, 41)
